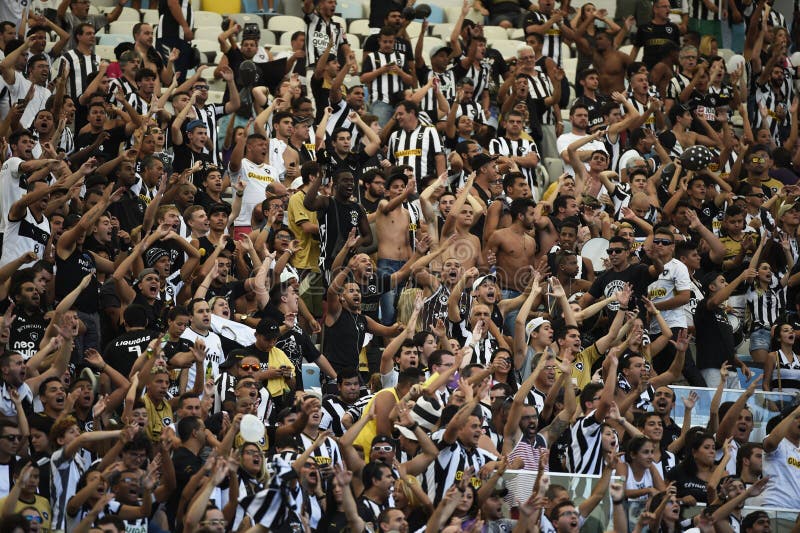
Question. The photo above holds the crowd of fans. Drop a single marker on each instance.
(385, 228)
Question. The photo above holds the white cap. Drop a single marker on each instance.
(404, 431)
(477, 282)
(287, 275)
(533, 324)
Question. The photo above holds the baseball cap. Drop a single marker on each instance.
(404, 431)
(232, 360)
(477, 283)
(708, 279)
(152, 255)
(533, 325)
(268, 328)
(440, 48)
(288, 275)
(143, 273)
(481, 159)
(195, 124)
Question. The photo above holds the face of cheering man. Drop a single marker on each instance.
(144, 37)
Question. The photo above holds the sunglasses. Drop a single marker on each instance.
(757, 160)
(614, 251)
(757, 194)
(251, 384)
(36, 519)
(200, 87)
(156, 131)
(251, 366)
(12, 437)
(386, 448)
(663, 242)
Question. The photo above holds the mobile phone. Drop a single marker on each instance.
(21, 102)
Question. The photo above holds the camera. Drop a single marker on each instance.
(251, 31)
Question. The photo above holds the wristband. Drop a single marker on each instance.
(618, 502)
(239, 194)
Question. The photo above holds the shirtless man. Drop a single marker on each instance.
(515, 249)
(393, 226)
(464, 247)
(515, 185)
(143, 45)
(662, 73)
(611, 64)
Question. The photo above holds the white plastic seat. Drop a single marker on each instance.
(353, 40)
(105, 51)
(206, 45)
(244, 18)
(359, 27)
(506, 47)
(350, 9)
(130, 15)
(150, 16)
(516, 34)
(285, 23)
(121, 27)
(208, 18)
(495, 33)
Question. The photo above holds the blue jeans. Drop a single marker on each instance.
(90, 339)
(510, 319)
(388, 311)
(382, 110)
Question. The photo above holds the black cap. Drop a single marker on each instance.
(382, 439)
(481, 159)
(268, 328)
(708, 279)
(232, 360)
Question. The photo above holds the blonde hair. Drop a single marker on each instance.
(705, 45)
(405, 306)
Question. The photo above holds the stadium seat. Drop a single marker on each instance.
(429, 43)
(215, 97)
(354, 40)
(206, 45)
(566, 51)
(244, 18)
(93, 10)
(506, 47)
(103, 3)
(208, 18)
(340, 20)
(105, 51)
(286, 23)
(150, 16)
(311, 375)
(725, 53)
(113, 39)
(413, 29)
(350, 9)
(268, 37)
(290, 7)
(495, 33)
(122, 27)
(129, 14)
(443, 30)
(453, 13)
(516, 33)
(285, 39)
(626, 49)
(437, 15)
(570, 68)
(359, 27)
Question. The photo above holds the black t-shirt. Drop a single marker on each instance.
(110, 148)
(371, 291)
(185, 157)
(595, 108)
(297, 345)
(123, 351)
(70, 273)
(27, 332)
(353, 162)
(714, 337)
(688, 484)
(129, 210)
(335, 222)
(651, 37)
(611, 282)
(186, 465)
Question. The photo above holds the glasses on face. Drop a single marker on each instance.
(757, 194)
(250, 366)
(382, 448)
(32, 518)
(12, 438)
(284, 237)
(249, 384)
(576, 514)
(614, 251)
(214, 522)
(757, 160)
(662, 242)
(200, 87)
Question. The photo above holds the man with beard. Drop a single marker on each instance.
(758, 163)
(16, 393)
(579, 117)
(337, 216)
(150, 59)
(771, 92)
(338, 154)
(130, 64)
(30, 324)
(343, 106)
(239, 379)
(516, 149)
(749, 463)
(190, 145)
(521, 435)
(663, 402)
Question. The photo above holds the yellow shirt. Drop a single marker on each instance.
(307, 257)
(277, 359)
(369, 432)
(41, 504)
(158, 417)
(582, 367)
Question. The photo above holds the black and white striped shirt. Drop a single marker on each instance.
(641, 108)
(766, 306)
(318, 33)
(472, 109)
(210, 114)
(676, 85)
(338, 119)
(139, 104)
(384, 86)
(449, 466)
(435, 307)
(540, 87)
(80, 67)
(128, 87)
(168, 27)
(327, 454)
(552, 37)
(416, 148)
(698, 10)
(333, 409)
(447, 86)
(520, 148)
(585, 454)
(480, 75)
(774, 100)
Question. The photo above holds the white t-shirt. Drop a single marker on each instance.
(783, 468)
(10, 188)
(257, 178)
(276, 149)
(19, 90)
(568, 138)
(214, 354)
(674, 277)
